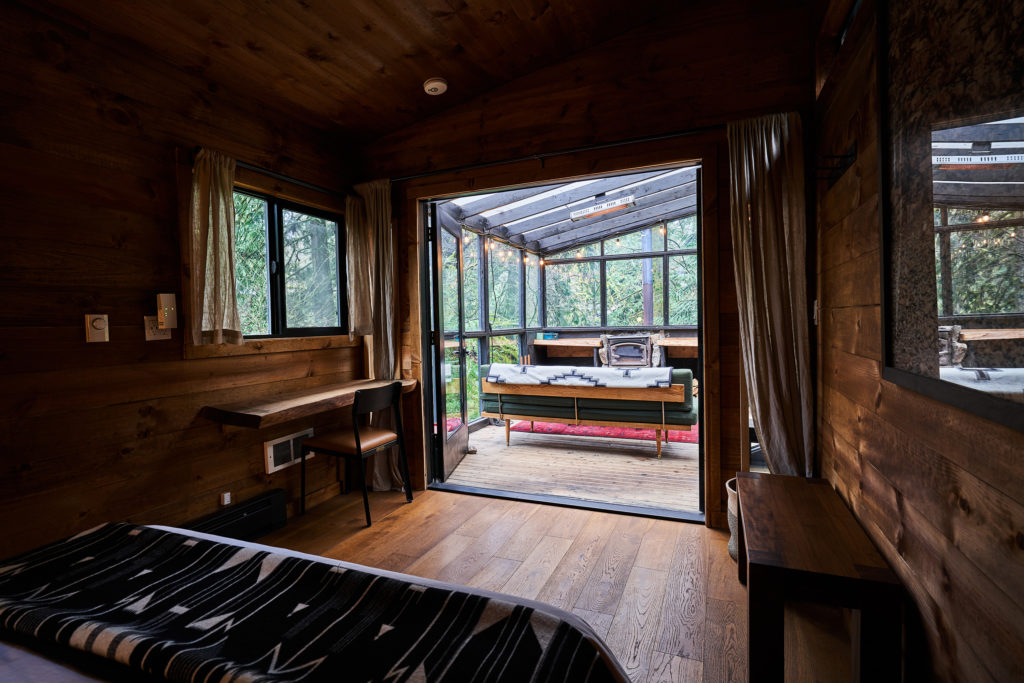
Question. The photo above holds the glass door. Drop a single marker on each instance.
(453, 426)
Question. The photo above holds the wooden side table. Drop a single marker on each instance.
(799, 541)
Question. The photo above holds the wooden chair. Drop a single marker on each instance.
(363, 441)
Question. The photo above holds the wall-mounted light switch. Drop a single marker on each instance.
(153, 331)
(166, 311)
(96, 328)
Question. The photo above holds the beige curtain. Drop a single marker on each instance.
(371, 297)
(768, 213)
(213, 308)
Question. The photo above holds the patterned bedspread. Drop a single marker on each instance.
(187, 607)
(569, 375)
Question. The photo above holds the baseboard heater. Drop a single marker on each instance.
(248, 520)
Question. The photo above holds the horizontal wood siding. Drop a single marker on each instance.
(938, 490)
(89, 208)
(709, 63)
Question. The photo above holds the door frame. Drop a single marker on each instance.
(720, 344)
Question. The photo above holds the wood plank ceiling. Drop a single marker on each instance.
(357, 67)
(540, 218)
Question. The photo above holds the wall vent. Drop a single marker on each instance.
(285, 450)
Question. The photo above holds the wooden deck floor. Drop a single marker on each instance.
(617, 471)
(663, 595)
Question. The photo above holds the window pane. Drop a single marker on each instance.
(310, 270)
(960, 216)
(505, 349)
(532, 291)
(573, 294)
(503, 273)
(648, 239)
(682, 233)
(635, 292)
(988, 271)
(471, 280)
(593, 249)
(682, 292)
(452, 385)
(473, 378)
(252, 282)
(449, 280)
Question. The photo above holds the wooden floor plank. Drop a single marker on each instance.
(569, 523)
(606, 583)
(634, 629)
(495, 574)
(723, 579)
(658, 546)
(479, 553)
(529, 534)
(479, 523)
(537, 567)
(599, 621)
(683, 619)
(446, 550)
(725, 642)
(669, 669)
(566, 584)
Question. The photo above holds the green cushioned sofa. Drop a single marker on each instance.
(677, 412)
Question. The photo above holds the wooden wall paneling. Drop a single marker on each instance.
(111, 431)
(667, 76)
(941, 492)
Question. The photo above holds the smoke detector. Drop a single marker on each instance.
(435, 86)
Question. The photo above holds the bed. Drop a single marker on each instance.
(126, 602)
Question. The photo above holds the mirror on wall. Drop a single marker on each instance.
(978, 210)
(952, 205)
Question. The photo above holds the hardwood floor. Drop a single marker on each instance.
(619, 471)
(662, 594)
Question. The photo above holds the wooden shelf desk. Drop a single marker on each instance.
(271, 411)
(799, 541)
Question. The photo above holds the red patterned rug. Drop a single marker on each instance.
(692, 436)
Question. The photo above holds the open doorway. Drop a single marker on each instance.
(590, 273)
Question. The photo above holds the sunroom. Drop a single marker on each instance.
(589, 276)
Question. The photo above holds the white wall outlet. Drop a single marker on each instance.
(153, 331)
(96, 327)
(225, 498)
(166, 311)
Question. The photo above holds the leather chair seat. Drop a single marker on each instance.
(345, 441)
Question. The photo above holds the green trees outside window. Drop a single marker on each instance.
(289, 268)
(503, 285)
(573, 294)
(985, 270)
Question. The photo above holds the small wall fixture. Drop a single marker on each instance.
(435, 86)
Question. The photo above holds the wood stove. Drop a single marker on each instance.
(628, 351)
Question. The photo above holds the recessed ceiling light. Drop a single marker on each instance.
(435, 86)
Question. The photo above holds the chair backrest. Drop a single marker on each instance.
(368, 401)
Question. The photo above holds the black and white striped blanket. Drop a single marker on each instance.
(569, 375)
(184, 606)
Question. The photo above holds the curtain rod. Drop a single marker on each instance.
(571, 150)
(286, 179)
